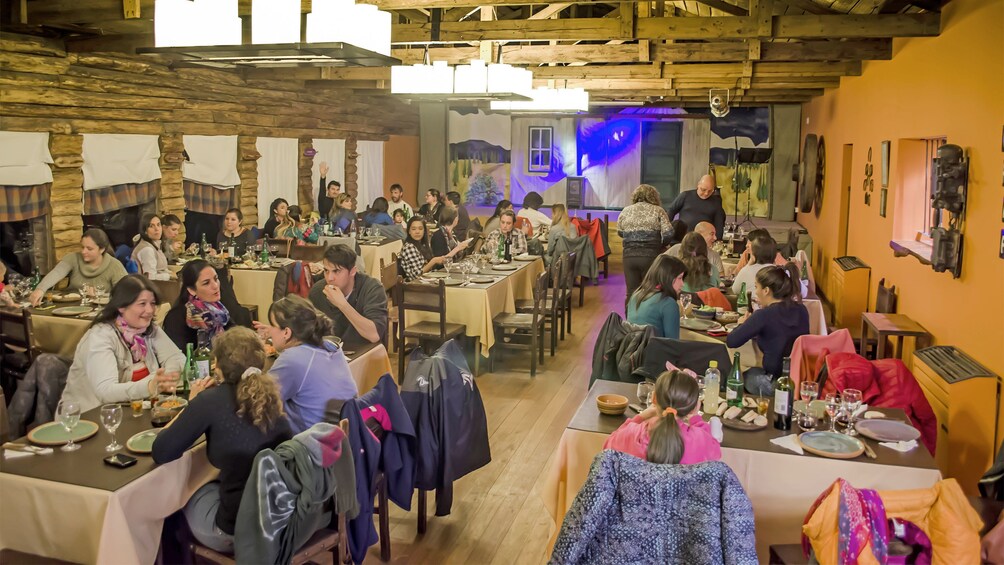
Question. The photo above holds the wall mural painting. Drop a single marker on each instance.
(479, 156)
(747, 127)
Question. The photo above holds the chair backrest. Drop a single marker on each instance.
(16, 333)
(556, 276)
(278, 247)
(522, 223)
(168, 290)
(540, 296)
(479, 240)
(388, 273)
(311, 253)
(885, 300)
(421, 297)
(571, 269)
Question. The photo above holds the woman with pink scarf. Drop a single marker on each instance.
(124, 354)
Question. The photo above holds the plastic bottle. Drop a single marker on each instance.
(712, 382)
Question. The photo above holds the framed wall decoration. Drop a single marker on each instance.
(884, 195)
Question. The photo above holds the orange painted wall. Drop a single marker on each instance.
(400, 165)
(952, 86)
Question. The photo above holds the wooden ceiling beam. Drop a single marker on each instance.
(809, 7)
(726, 7)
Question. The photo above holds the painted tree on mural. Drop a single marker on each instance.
(484, 190)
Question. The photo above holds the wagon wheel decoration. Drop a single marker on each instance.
(820, 175)
(808, 169)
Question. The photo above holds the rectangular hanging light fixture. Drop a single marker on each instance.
(472, 82)
(548, 100)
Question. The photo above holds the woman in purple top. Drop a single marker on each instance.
(310, 370)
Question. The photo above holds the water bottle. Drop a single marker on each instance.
(712, 382)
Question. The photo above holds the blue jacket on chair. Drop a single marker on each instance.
(633, 511)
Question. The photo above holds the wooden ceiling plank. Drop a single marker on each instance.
(726, 7)
(809, 7)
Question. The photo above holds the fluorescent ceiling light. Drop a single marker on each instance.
(549, 100)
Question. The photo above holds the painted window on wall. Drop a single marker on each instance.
(539, 149)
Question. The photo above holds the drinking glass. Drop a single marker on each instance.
(86, 292)
(762, 403)
(685, 304)
(206, 247)
(808, 391)
(644, 392)
(100, 293)
(111, 418)
(136, 399)
(700, 392)
(832, 403)
(68, 414)
(447, 265)
(851, 398)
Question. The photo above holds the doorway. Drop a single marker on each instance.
(661, 146)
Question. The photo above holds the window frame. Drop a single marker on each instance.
(542, 162)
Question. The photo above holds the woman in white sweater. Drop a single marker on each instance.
(124, 354)
(147, 253)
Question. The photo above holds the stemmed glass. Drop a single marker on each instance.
(644, 392)
(100, 293)
(86, 293)
(685, 304)
(447, 265)
(808, 391)
(832, 403)
(68, 414)
(111, 418)
(851, 400)
(700, 393)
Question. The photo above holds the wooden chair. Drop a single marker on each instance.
(568, 286)
(885, 303)
(422, 298)
(168, 290)
(308, 253)
(17, 347)
(515, 327)
(388, 277)
(553, 320)
(278, 247)
(605, 260)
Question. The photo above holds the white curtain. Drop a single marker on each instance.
(332, 152)
(114, 159)
(24, 158)
(212, 160)
(369, 168)
(277, 172)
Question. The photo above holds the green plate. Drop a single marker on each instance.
(831, 444)
(53, 433)
(142, 442)
(71, 310)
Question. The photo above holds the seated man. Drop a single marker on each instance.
(510, 241)
(707, 231)
(355, 302)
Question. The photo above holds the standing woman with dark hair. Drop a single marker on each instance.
(492, 223)
(123, 354)
(240, 416)
(645, 229)
(694, 254)
(310, 370)
(276, 215)
(654, 303)
(94, 264)
(199, 306)
(775, 326)
(232, 229)
(671, 430)
(147, 253)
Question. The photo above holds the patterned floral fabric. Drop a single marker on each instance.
(645, 228)
(633, 511)
(861, 520)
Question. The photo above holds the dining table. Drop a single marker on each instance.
(73, 507)
(781, 484)
(377, 252)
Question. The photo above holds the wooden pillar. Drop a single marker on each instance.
(305, 182)
(67, 206)
(247, 168)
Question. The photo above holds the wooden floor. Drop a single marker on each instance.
(497, 515)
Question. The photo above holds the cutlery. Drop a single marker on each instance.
(869, 451)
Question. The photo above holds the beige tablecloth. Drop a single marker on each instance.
(781, 487)
(369, 367)
(89, 525)
(474, 306)
(523, 279)
(373, 254)
(254, 287)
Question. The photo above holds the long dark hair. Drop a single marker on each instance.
(144, 224)
(124, 293)
(499, 208)
(379, 205)
(659, 279)
(100, 239)
(189, 277)
(275, 204)
(258, 401)
(694, 254)
(423, 244)
(679, 391)
(783, 282)
(307, 324)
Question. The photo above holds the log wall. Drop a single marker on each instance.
(44, 88)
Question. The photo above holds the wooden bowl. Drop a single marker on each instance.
(611, 404)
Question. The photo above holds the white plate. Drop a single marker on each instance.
(699, 324)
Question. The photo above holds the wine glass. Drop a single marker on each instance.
(100, 293)
(644, 392)
(832, 403)
(86, 292)
(68, 414)
(808, 391)
(700, 392)
(685, 300)
(851, 398)
(111, 418)
(447, 265)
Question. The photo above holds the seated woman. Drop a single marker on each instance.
(240, 416)
(277, 214)
(293, 227)
(561, 226)
(377, 215)
(310, 370)
(492, 223)
(670, 430)
(694, 254)
(234, 234)
(433, 205)
(444, 239)
(780, 319)
(202, 306)
(147, 253)
(511, 240)
(343, 215)
(95, 264)
(747, 254)
(416, 257)
(124, 354)
(763, 249)
(531, 211)
(654, 302)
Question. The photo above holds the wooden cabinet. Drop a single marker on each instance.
(966, 399)
(848, 292)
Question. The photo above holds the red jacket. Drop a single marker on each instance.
(885, 383)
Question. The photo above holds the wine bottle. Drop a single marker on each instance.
(202, 355)
(202, 247)
(189, 372)
(742, 302)
(783, 398)
(734, 384)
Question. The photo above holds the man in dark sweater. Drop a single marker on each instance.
(355, 302)
(326, 192)
(701, 205)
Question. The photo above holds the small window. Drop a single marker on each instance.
(539, 149)
(912, 216)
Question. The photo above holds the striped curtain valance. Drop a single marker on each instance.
(24, 202)
(111, 198)
(207, 199)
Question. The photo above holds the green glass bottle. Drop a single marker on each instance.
(734, 385)
(202, 355)
(742, 301)
(783, 398)
(36, 278)
(188, 372)
(202, 247)
(265, 258)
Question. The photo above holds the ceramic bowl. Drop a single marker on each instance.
(704, 314)
(727, 317)
(612, 404)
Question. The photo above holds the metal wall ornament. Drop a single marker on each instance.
(869, 185)
(884, 195)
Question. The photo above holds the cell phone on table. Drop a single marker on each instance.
(120, 460)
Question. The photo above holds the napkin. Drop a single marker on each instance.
(789, 442)
(12, 454)
(901, 446)
(716, 428)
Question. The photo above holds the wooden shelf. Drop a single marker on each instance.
(915, 249)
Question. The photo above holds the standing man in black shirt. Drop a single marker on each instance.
(701, 205)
